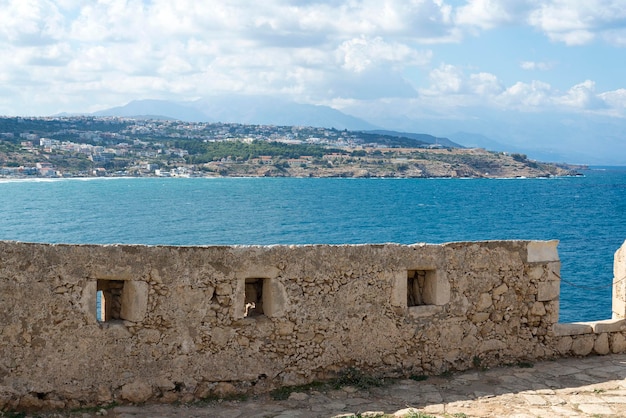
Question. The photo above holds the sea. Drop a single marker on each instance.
(587, 214)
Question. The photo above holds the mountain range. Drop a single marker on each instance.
(252, 110)
(553, 136)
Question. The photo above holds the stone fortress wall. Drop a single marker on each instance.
(185, 323)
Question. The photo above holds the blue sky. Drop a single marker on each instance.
(377, 59)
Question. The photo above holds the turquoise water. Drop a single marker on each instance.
(585, 213)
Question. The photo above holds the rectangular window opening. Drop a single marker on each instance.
(420, 287)
(253, 297)
(109, 300)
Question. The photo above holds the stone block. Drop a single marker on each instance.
(88, 299)
(538, 309)
(564, 345)
(548, 290)
(480, 317)
(136, 392)
(554, 270)
(424, 311)
(440, 288)
(500, 290)
(576, 328)
(134, 300)
(608, 325)
(399, 289)
(223, 289)
(583, 345)
(542, 251)
(535, 272)
(619, 264)
(116, 330)
(618, 343)
(491, 345)
(552, 309)
(274, 298)
(224, 389)
(618, 306)
(601, 345)
(484, 302)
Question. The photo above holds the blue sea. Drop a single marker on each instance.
(587, 214)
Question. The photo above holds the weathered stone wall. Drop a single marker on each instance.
(184, 323)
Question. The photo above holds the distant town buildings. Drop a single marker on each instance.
(100, 142)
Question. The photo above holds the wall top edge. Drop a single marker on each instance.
(540, 243)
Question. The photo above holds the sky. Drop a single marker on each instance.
(413, 58)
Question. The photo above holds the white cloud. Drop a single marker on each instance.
(359, 54)
(113, 51)
(566, 21)
(582, 96)
(615, 99)
(452, 80)
(485, 85)
(535, 65)
(158, 48)
(30, 22)
(580, 22)
(486, 14)
(452, 87)
(447, 79)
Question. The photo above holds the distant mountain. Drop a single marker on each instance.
(473, 140)
(254, 110)
(157, 109)
(584, 138)
(429, 139)
(265, 110)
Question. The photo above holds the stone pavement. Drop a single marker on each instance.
(575, 387)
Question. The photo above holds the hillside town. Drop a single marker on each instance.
(61, 147)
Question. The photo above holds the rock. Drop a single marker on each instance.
(564, 345)
(406, 412)
(538, 309)
(223, 289)
(618, 343)
(484, 302)
(548, 290)
(224, 389)
(298, 396)
(582, 345)
(30, 402)
(601, 345)
(103, 395)
(503, 288)
(136, 392)
(203, 390)
(480, 317)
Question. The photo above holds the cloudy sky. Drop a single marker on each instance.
(435, 57)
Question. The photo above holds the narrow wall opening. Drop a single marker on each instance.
(253, 297)
(109, 300)
(420, 286)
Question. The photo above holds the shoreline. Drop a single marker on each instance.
(9, 179)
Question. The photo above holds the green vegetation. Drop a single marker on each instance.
(525, 365)
(200, 153)
(519, 157)
(12, 414)
(418, 414)
(283, 393)
(349, 377)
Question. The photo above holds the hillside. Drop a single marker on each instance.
(398, 163)
(88, 146)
